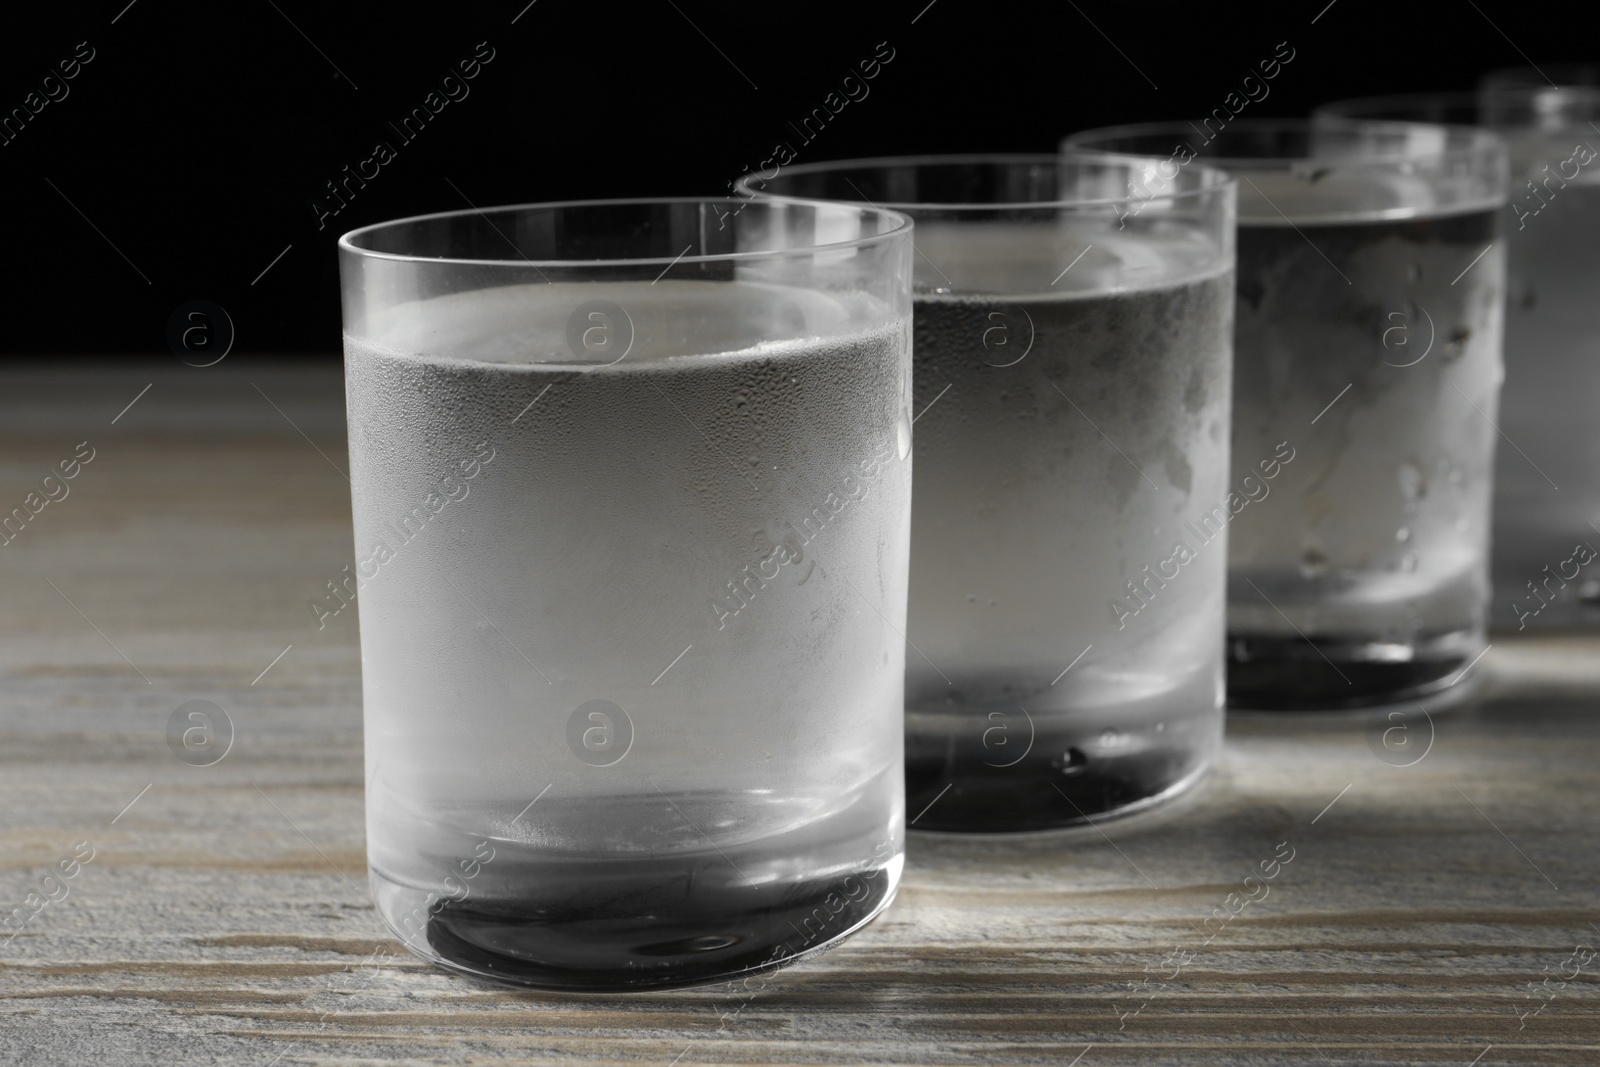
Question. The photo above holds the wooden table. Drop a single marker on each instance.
(224, 916)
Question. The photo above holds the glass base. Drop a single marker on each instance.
(1077, 767)
(984, 809)
(578, 938)
(1291, 674)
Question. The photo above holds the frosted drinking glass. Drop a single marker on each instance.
(1367, 366)
(1072, 391)
(631, 488)
(1547, 469)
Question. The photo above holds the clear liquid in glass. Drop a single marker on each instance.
(1547, 482)
(1371, 345)
(633, 674)
(1066, 436)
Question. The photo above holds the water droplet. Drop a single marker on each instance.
(1413, 486)
(1589, 591)
(1161, 727)
(1313, 563)
(993, 603)
(972, 598)
(1408, 562)
(1413, 272)
(1403, 534)
(1072, 761)
(1111, 738)
(902, 433)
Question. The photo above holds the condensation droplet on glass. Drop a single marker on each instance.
(902, 433)
(1110, 738)
(1408, 562)
(709, 942)
(1313, 562)
(1072, 761)
(972, 598)
(1403, 534)
(1412, 484)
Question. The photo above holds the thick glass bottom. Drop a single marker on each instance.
(579, 941)
(1054, 771)
(1274, 673)
(979, 806)
(628, 891)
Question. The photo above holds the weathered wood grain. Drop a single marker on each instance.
(224, 916)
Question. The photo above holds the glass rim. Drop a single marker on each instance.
(901, 226)
(1473, 98)
(1216, 180)
(1568, 76)
(1334, 108)
(1477, 140)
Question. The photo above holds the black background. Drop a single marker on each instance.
(197, 138)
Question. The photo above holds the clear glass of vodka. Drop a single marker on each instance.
(1073, 352)
(1371, 271)
(631, 488)
(1546, 528)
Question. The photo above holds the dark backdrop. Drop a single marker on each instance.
(192, 148)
